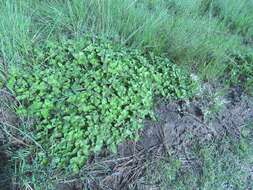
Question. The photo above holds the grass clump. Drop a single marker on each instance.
(236, 15)
(241, 72)
(88, 93)
(15, 30)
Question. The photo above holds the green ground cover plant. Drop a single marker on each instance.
(241, 72)
(211, 38)
(88, 93)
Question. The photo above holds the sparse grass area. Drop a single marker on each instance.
(211, 38)
(217, 164)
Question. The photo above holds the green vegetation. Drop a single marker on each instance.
(235, 14)
(77, 94)
(241, 72)
(206, 36)
(85, 94)
(194, 33)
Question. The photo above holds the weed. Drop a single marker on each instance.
(85, 94)
(241, 72)
(212, 38)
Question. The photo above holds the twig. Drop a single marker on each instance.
(9, 125)
(16, 139)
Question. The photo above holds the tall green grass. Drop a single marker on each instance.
(179, 29)
(15, 27)
(237, 15)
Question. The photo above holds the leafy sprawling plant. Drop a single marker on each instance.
(240, 72)
(88, 93)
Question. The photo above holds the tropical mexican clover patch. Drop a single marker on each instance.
(84, 94)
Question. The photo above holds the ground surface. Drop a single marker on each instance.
(178, 125)
(212, 38)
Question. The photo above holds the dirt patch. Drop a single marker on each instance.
(5, 178)
(8, 120)
(180, 121)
